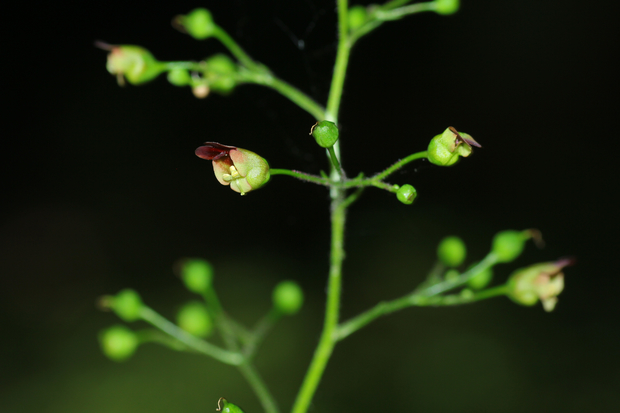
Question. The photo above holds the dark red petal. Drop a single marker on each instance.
(212, 151)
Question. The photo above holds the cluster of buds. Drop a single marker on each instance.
(243, 170)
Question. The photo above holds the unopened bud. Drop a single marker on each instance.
(194, 318)
(198, 23)
(118, 342)
(325, 133)
(451, 251)
(406, 194)
(446, 6)
(287, 297)
(508, 245)
(197, 275)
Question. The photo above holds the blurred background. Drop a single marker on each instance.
(102, 191)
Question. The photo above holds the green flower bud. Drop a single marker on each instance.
(325, 133)
(508, 245)
(451, 251)
(446, 6)
(194, 318)
(445, 149)
(134, 63)
(406, 194)
(118, 342)
(198, 23)
(197, 275)
(357, 17)
(482, 279)
(226, 407)
(287, 297)
(220, 73)
(126, 304)
(542, 282)
(179, 77)
(243, 170)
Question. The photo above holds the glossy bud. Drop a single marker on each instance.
(243, 170)
(482, 279)
(118, 342)
(179, 77)
(197, 275)
(287, 297)
(325, 133)
(220, 73)
(198, 23)
(225, 406)
(543, 282)
(508, 245)
(445, 149)
(451, 251)
(406, 194)
(126, 304)
(446, 6)
(194, 318)
(134, 63)
(357, 17)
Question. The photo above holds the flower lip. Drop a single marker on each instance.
(466, 139)
(213, 151)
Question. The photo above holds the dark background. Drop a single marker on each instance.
(102, 191)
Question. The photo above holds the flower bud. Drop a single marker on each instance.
(179, 77)
(198, 23)
(126, 304)
(357, 17)
(134, 63)
(194, 318)
(542, 282)
(325, 133)
(445, 149)
(243, 170)
(118, 342)
(287, 297)
(220, 73)
(406, 194)
(226, 407)
(446, 6)
(197, 275)
(482, 279)
(451, 251)
(508, 245)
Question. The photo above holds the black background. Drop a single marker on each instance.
(101, 191)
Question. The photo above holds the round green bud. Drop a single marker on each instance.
(127, 305)
(482, 279)
(287, 297)
(194, 318)
(508, 245)
(325, 133)
(406, 194)
(220, 73)
(357, 17)
(226, 407)
(198, 23)
(118, 342)
(197, 275)
(451, 251)
(179, 77)
(446, 6)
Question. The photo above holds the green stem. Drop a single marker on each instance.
(335, 162)
(293, 94)
(399, 13)
(302, 175)
(259, 387)
(342, 61)
(153, 318)
(410, 300)
(236, 50)
(382, 175)
(260, 331)
(332, 309)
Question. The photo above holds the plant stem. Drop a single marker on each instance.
(382, 175)
(302, 175)
(258, 386)
(327, 340)
(228, 357)
(236, 50)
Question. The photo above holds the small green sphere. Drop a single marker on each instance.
(118, 342)
(406, 194)
(451, 251)
(199, 23)
(481, 280)
(357, 17)
(127, 305)
(194, 318)
(508, 245)
(446, 6)
(179, 77)
(287, 297)
(197, 275)
(325, 133)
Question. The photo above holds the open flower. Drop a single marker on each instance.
(243, 170)
(445, 149)
(544, 282)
